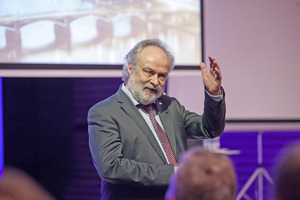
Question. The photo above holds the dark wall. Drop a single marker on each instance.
(38, 129)
(45, 131)
(84, 181)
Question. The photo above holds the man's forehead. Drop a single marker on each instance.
(153, 54)
(152, 51)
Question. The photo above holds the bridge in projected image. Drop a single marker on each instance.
(108, 25)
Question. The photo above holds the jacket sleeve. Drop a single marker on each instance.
(208, 125)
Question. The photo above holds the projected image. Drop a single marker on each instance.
(96, 31)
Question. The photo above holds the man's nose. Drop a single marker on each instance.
(154, 80)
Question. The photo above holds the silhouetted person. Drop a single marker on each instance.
(17, 185)
(287, 173)
(203, 175)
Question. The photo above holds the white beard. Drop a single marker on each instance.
(138, 92)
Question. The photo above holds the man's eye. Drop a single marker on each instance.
(162, 77)
(148, 72)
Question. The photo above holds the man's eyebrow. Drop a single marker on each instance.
(153, 70)
(148, 69)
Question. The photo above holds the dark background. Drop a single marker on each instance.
(45, 131)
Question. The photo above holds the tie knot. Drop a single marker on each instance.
(148, 108)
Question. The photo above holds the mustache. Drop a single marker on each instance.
(150, 86)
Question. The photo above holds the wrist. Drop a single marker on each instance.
(215, 92)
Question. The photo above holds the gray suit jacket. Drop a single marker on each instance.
(125, 152)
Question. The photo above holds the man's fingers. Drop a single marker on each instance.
(203, 68)
(218, 74)
(214, 69)
(213, 63)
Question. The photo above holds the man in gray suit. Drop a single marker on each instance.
(137, 134)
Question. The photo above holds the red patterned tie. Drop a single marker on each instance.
(162, 135)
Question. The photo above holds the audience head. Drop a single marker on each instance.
(203, 175)
(287, 173)
(18, 185)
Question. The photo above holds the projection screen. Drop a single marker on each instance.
(93, 34)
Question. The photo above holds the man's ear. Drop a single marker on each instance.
(129, 68)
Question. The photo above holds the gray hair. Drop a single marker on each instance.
(133, 55)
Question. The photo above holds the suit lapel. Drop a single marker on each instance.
(131, 110)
